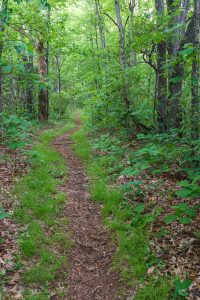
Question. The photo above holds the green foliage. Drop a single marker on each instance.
(3, 214)
(119, 216)
(40, 211)
(83, 149)
(190, 189)
(181, 289)
(159, 289)
(144, 219)
(183, 213)
(14, 131)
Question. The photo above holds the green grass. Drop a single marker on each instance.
(158, 290)
(44, 242)
(133, 257)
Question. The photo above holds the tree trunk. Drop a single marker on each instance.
(178, 10)
(121, 35)
(123, 62)
(47, 54)
(11, 91)
(1, 77)
(43, 93)
(131, 9)
(3, 17)
(29, 88)
(28, 64)
(161, 93)
(100, 24)
(196, 71)
(58, 63)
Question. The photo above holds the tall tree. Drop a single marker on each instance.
(43, 93)
(59, 66)
(100, 24)
(178, 12)
(123, 60)
(132, 5)
(196, 71)
(29, 83)
(161, 78)
(3, 19)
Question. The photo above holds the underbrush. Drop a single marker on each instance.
(130, 178)
(43, 240)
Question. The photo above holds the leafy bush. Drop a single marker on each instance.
(190, 188)
(14, 131)
(181, 287)
(182, 212)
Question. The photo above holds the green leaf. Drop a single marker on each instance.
(4, 215)
(181, 206)
(186, 284)
(130, 171)
(184, 193)
(149, 218)
(183, 293)
(187, 51)
(185, 220)
(139, 208)
(170, 218)
(176, 79)
(184, 183)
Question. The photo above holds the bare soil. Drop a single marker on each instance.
(90, 275)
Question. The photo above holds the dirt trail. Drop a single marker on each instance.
(90, 276)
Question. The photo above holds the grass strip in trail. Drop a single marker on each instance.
(43, 240)
(133, 257)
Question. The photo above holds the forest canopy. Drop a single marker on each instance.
(130, 62)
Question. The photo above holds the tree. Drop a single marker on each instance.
(178, 12)
(43, 93)
(3, 20)
(123, 61)
(132, 5)
(161, 77)
(196, 71)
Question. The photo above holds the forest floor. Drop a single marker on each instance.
(90, 276)
(57, 246)
(88, 273)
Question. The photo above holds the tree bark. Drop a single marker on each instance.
(102, 37)
(28, 64)
(196, 71)
(178, 10)
(100, 24)
(1, 77)
(43, 93)
(131, 9)
(29, 88)
(121, 35)
(3, 17)
(161, 93)
(58, 63)
(123, 61)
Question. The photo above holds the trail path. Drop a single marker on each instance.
(90, 274)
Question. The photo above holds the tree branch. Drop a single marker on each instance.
(147, 56)
(111, 19)
(126, 22)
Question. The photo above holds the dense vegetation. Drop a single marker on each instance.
(132, 68)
